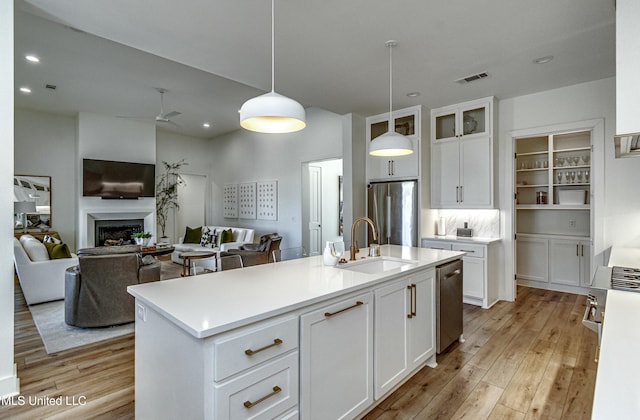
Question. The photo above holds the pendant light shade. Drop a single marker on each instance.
(391, 143)
(272, 112)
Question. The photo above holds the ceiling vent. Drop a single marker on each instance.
(49, 86)
(472, 78)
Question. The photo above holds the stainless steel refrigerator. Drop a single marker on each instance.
(394, 209)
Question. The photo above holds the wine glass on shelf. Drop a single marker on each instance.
(566, 177)
(586, 158)
(572, 174)
(561, 161)
(559, 177)
(575, 160)
(586, 176)
(579, 175)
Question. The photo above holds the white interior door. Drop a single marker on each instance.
(191, 198)
(315, 210)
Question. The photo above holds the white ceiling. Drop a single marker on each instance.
(329, 54)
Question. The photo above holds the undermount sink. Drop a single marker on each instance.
(376, 265)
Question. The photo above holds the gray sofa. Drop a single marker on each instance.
(95, 293)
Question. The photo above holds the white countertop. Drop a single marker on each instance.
(454, 238)
(209, 304)
(617, 392)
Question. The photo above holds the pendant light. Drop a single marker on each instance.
(272, 112)
(390, 143)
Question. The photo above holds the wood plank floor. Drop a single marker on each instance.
(523, 360)
(529, 359)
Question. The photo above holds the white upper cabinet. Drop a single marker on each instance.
(408, 123)
(462, 155)
(627, 64)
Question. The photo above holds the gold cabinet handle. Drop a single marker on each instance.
(412, 288)
(328, 314)
(250, 352)
(249, 404)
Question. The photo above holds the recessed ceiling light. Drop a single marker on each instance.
(413, 94)
(543, 60)
(32, 58)
(206, 125)
(25, 89)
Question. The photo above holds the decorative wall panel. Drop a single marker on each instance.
(268, 200)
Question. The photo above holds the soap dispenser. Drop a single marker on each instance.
(328, 256)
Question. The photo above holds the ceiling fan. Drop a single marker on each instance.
(162, 117)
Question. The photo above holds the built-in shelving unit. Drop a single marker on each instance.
(552, 193)
(553, 172)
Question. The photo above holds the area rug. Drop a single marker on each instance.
(58, 336)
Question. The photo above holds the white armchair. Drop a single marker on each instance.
(41, 281)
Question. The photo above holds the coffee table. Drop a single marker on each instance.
(188, 256)
(158, 251)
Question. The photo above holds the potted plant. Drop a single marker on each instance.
(167, 194)
(142, 238)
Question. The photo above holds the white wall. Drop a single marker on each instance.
(9, 383)
(244, 156)
(171, 148)
(120, 139)
(616, 201)
(45, 145)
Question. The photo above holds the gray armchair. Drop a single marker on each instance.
(255, 254)
(96, 289)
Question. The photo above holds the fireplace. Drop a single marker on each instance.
(117, 232)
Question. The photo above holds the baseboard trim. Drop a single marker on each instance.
(10, 385)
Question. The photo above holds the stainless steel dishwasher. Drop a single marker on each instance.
(448, 304)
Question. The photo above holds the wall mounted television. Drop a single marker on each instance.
(112, 179)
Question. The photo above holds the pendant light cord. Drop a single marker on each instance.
(391, 45)
(273, 66)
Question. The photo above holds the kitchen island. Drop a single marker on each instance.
(286, 340)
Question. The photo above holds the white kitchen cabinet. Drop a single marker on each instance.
(405, 337)
(627, 64)
(408, 123)
(462, 155)
(532, 259)
(553, 262)
(479, 269)
(569, 262)
(337, 359)
(249, 372)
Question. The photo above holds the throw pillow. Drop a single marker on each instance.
(209, 237)
(57, 251)
(54, 239)
(35, 249)
(226, 236)
(192, 236)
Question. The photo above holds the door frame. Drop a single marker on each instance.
(305, 237)
(596, 127)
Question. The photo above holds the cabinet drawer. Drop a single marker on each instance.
(248, 347)
(436, 244)
(472, 250)
(266, 392)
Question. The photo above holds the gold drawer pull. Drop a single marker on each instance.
(249, 404)
(328, 314)
(250, 352)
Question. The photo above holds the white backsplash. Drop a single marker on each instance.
(484, 223)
